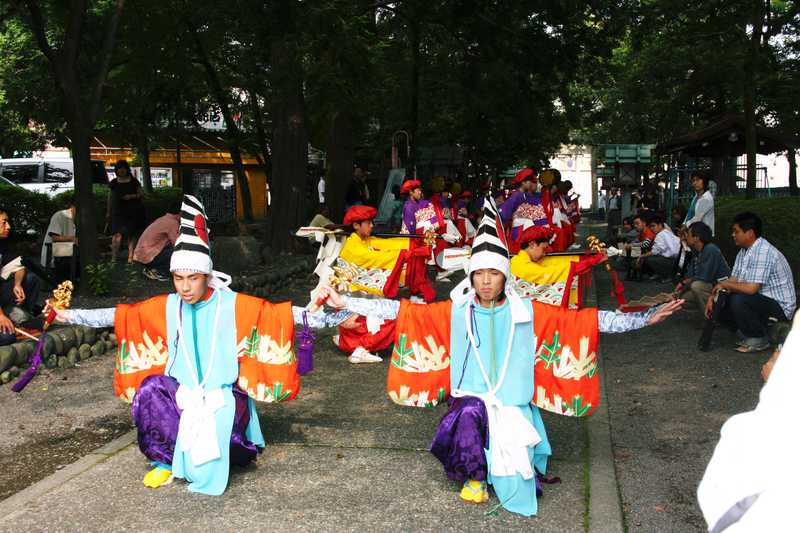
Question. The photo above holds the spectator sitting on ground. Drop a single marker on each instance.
(643, 241)
(702, 207)
(761, 286)
(154, 248)
(18, 287)
(659, 261)
(706, 268)
(629, 233)
(60, 230)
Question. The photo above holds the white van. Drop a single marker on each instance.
(48, 176)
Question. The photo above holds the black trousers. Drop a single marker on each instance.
(750, 313)
(30, 284)
(664, 267)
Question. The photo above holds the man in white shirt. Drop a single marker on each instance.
(702, 207)
(321, 190)
(659, 261)
(60, 230)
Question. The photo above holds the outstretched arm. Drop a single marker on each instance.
(618, 322)
(319, 319)
(374, 307)
(95, 318)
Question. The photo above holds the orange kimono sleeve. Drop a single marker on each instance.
(565, 368)
(265, 346)
(141, 330)
(419, 372)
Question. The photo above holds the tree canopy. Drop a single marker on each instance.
(504, 82)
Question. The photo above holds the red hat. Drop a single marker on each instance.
(410, 185)
(535, 233)
(359, 213)
(524, 174)
(466, 194)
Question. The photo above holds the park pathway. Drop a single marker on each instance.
(341, 457)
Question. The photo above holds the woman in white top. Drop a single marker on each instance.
(702, 207)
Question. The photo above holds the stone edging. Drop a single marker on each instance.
(605, 505)
(64, 347)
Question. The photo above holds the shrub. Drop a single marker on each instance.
(27, 210)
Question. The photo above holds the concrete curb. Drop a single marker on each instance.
(605, 505)
(14, 503)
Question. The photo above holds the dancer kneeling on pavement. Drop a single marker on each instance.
(193, 362)
(481, 344)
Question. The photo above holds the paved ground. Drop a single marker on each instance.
(667, 403)
(341, 457)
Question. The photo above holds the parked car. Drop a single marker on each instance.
(48, 176)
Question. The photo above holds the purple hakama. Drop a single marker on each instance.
(461, 438)
(156, 415)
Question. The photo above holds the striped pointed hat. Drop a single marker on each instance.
(489, 248)
(192, 251)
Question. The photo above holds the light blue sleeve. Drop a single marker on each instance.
(374, 307)
(319, 319)
(619, 322)
(96, 318)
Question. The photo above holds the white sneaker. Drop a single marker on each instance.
(335, 340)
(360, 355)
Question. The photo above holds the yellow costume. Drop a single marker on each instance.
(543, 280)
(370, 261)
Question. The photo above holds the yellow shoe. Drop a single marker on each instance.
(474, 491)
(157, 477)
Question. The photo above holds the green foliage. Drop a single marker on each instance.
(157, 203)
(27, 210)
(99, 278)
(779, 216)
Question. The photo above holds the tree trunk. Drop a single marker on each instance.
(241, 181)
(749, 80)
(340, 162)
(413, 27)
(144, 155)
(718, 173)
(790, 157)
(84, 197)
(289, 147)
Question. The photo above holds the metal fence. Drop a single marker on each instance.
(679, 186)
(217, 190)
